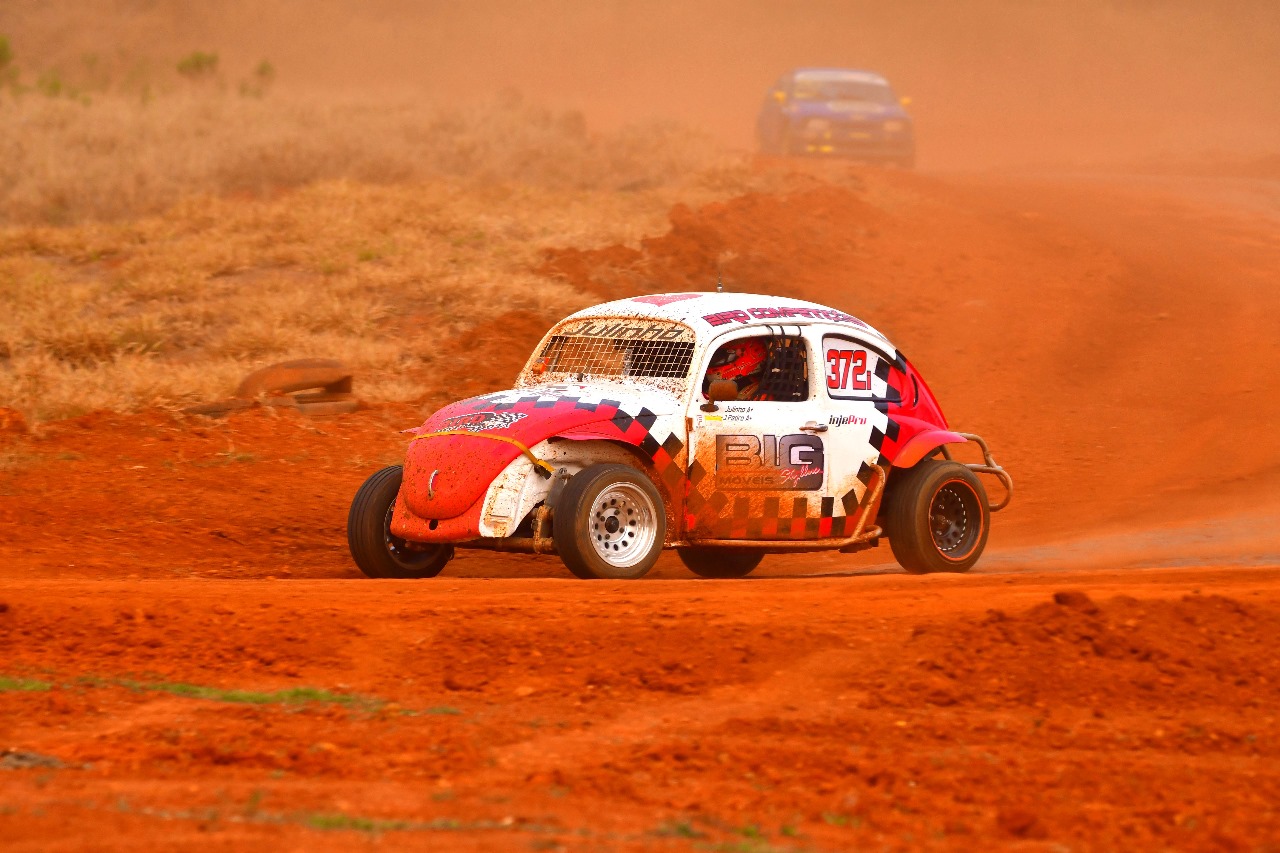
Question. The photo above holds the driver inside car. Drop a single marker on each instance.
(740, 362)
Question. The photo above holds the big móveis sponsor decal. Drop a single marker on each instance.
(769, 463)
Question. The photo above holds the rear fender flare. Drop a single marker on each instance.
(922, 444)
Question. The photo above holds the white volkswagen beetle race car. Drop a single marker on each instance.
(724, 425)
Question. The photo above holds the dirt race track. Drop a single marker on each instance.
(188, 659)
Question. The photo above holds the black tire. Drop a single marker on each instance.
(936, 517)
(376, 551)
(720, 562)
(612, 509)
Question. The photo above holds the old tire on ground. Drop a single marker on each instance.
(936, 517)
(298, 375)
(376, 551)
(719, 562)
(609, 522)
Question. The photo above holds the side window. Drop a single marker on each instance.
(767, 367)
(854, 371)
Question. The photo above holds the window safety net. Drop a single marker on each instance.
(618, 350)
(786, 370)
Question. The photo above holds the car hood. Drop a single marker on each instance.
(459, 450)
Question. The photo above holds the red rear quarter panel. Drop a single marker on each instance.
(918, 425)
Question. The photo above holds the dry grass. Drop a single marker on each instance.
(65, 160)
(158, 250)
(175, 309)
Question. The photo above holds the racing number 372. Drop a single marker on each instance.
(847, 370)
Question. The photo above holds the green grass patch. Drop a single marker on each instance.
(678, 829)
(291, 696)
(198, 64)
(354, 823)
(339, 822)
(252, 813)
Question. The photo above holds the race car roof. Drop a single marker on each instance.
(711, 313)
(854, 75)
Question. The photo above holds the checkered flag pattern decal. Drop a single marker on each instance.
(710, 513)
(713, 514)
(662, 447)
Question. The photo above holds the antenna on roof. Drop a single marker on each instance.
(720, 261)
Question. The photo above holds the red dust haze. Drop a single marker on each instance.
(1080, 83)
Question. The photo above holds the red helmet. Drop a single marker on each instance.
(742, 362)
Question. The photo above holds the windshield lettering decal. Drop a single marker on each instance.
(628, 330)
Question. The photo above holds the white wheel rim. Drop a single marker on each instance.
(623, 525)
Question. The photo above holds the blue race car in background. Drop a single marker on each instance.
(836, 112)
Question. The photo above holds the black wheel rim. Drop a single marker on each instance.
(955, 520)
(399, 549)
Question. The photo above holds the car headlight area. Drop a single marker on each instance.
(816, 128)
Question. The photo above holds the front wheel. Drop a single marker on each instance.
(609, 522)
(720, 562)
(937, 517)
(379, 553)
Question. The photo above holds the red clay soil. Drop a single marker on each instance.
(935, 712)
(189, 659)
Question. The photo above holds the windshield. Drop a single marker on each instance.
(613, 348)
(825, 87)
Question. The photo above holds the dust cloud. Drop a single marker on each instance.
(1096, 82)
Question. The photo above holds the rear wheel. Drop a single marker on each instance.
(720, 562)
(937, 517)
(609, 522)
(377, 552)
